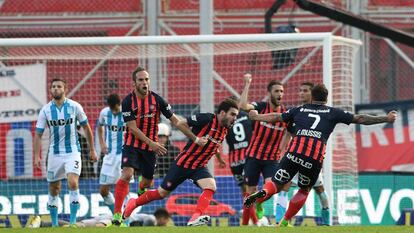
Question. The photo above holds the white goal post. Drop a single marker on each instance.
(97, 66)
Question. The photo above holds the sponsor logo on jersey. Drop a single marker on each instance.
(299, 161)
(61, 122)
(315, 110)
(271, 126)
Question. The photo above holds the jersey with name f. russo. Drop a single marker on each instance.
(62, 122)
(238, 138)
(203, 125)
(146, 113)
(313, 124)
(266, 137)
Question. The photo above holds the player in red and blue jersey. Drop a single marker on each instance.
(313, 124)
(192, 161)
(265, 144)
(141, 110)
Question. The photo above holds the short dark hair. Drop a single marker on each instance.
(309, 84)
(58, 80)
(319, 92)
(226, 104)
(113, 100)
(135, 72)
(272, 83)
(161, 212)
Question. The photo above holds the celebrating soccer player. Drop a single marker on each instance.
(192, 161)
(64, 159)
(141, 111)
(264, 147)
(313, 123)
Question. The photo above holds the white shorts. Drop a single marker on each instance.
(318, 183)
(58, 166)
(111, 169)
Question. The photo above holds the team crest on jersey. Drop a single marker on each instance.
(152, 107)
(169, 184)
(124, 160)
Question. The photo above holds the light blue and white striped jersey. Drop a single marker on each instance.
(114, 130)
(62, 124)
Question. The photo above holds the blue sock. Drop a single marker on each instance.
(74, 206)
(54, 215)
(280, 212)
(325, 216)
(111, 207)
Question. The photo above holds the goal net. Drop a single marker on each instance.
(194, 73)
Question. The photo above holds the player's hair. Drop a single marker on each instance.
(319, 92)
(309, 84)
(135, 72)
(226, 104)
(113, 100)
(59, 80)
(272, 83)
(161, 212)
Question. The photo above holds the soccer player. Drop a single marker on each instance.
(305, 96)
(110, 131)
(141, 111)
(64, 161)
(314, 123)
(192, 161)
(238, 140)
(262, 153)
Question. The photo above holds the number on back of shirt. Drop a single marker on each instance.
(238, 131)
(317, 120)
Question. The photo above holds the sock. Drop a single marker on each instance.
(324, 200)
(281, 205)
(109, 201)
(296, 203)
(204, 201)
(52, 205)
(148, 196)
(74, 205)
(253, 215)
(270, 189)
(325, 216)
(246, 212)
(121, 190)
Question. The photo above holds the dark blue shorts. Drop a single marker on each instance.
(307, 168)
(177, 175)
(141, 160)
(254, 167)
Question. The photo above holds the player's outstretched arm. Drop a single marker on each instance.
(89, 137)
(268, 117)
(365, 119)
(244, 104)
(183, 126)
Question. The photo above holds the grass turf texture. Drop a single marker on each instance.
(334, 229)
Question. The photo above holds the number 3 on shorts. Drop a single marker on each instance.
(76, 164)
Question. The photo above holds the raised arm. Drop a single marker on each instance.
(268, 117)
(244, 104)
(365, 119)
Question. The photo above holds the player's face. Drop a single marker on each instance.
(305, 94)
(58, 90)
(116, 109)
(142, 82)
(162, 221)
(276, 94)
(229, 117)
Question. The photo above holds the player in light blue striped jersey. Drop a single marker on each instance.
(111, 131)
(64, 158)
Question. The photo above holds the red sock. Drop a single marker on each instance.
(270, 188)
(253, 215)
(148, 196)
(246, 212)
(121, 191)
(204, 200)
(296, 203)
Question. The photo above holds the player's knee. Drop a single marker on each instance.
(73, 184)
(104, 191)
(319, 189)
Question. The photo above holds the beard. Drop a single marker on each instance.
(275, 101)
(57, 97)
(143, 91)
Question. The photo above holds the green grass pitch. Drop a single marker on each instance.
(333, 229)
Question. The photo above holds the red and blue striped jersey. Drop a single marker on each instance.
(313, 124)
